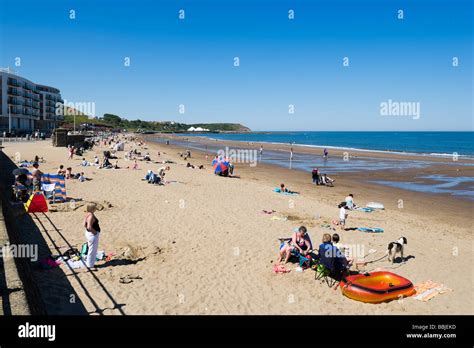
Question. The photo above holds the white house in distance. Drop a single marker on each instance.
(198, 129)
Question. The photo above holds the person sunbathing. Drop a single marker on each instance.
(61, 170)
(284, 189)
(68, 173)
(300, 244)
(106, 163)
(326, 180)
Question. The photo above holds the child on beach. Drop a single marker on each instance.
(71, 152)
(61, 170)
(68, 173)
(345, 250)
(135, 165)
(82, 177)
(343, 214)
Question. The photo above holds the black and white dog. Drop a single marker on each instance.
(396, 247)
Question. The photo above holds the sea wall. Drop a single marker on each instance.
(19, 293)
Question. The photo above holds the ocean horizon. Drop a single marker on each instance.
(428, 143)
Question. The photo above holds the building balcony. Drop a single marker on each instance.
(14, 82)
(36, 97)
(14, 91)
(15, 101)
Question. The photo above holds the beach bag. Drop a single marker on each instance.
(84, 250)
(305, 261)
(70, 253)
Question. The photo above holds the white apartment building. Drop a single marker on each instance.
(26, 106)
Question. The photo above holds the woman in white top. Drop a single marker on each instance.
(350, 201)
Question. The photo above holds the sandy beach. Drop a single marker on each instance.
(201, 245)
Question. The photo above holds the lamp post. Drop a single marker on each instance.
(9, 119)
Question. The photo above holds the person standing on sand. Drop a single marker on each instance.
(36, 174)
(343, 214)
(92, 232)
(71, 152)
(315, 176)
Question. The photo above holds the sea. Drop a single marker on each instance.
(445, 144)
(423, 145)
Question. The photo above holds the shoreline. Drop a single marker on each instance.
(338, 150)
(448, 207)
(433, 168)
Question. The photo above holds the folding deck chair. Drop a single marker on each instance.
(330, 265)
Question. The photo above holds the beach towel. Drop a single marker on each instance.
(76, 264)
(280, 269)
(370, 229)
(278, 190)
(279, 218)
(366, 210)
(427, 290)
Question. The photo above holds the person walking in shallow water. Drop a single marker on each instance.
(92, 232)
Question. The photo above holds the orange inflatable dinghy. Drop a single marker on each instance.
(376, 287)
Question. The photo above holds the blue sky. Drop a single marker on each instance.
(282, 61)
